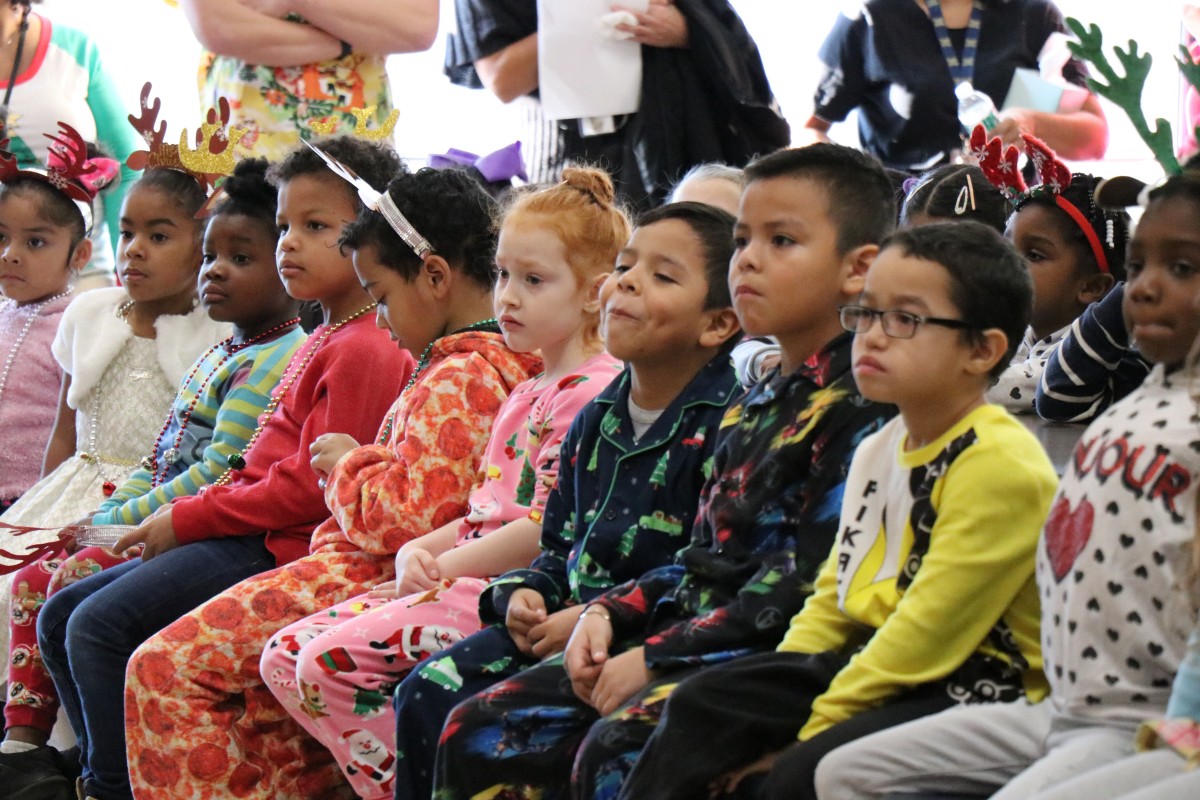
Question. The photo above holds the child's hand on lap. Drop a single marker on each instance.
(420, 573)
(621, 677)
(551, 636)
(526, 609)
(384, 591)
(729, 782)
(157, 534)
(586, 653)
(327, 449)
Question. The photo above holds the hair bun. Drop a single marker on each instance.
(590, 180)
(249, 182)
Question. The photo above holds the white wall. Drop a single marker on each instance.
(150, 40)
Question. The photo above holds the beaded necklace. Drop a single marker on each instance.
(237, 461)
(171, 455)
(20, 340)
(107, 485)
(386, 432)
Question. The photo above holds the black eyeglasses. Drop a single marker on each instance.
(896, 324)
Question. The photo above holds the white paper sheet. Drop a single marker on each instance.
(582, 71)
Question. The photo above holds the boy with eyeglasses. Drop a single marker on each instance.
(928, 597)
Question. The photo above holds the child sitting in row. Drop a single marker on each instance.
(928, 596)
(428, 264)
(1113, 569)
(955, 192)
(809, 217)
(633, 464)
(123, 350)
(1075, 249)
(1164, 767)
(211, 418)
(335, 671)
(260, 513)
(43, 244)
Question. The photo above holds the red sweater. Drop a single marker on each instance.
(347, 387)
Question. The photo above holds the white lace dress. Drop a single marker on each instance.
(123, 413)
(121, 389)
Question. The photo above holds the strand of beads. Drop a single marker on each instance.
(171, 455)
(20, 340)
(92, 454)
(385, 433)
(237, 461)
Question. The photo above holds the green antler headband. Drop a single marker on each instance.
(1126, 90)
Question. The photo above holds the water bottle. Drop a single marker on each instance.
(975, 107)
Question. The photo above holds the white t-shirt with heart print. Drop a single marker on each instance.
(1113, 565)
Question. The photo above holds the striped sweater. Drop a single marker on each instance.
(224, 417)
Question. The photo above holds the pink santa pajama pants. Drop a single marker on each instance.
(335, 671)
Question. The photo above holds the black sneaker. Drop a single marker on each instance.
(34, 775)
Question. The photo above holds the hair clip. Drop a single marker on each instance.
(67, 169)
(211, 159)
(380, 202)
(965, 196)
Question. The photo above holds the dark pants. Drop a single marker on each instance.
(728, 716)
(426, 696)
(524, 735)
(88, 631)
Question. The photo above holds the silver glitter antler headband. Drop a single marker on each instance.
(380, 202)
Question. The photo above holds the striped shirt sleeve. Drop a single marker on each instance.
(236, 396)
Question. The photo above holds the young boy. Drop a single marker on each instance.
(928, 596)
(1114, 568)
(808, 228)
(626, 496)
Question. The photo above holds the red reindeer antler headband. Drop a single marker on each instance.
(209, 161)
(1053, 174)
(68, 169)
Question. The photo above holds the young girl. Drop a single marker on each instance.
(1075, 250)
(260, 513)
(434, 294)
(954, 192)
(43, 243)
(123, 351)
(227, 386)
(1170, 747)
(555, 249)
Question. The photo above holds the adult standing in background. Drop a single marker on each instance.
(285, 63)
(704, 95)
(51, 73)
(886, 60)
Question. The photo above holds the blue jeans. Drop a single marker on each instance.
(88, 631)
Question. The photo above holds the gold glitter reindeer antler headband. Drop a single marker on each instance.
(328, 125)
(209, 161)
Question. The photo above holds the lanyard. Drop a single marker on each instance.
(12, 79)
(960, 70)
